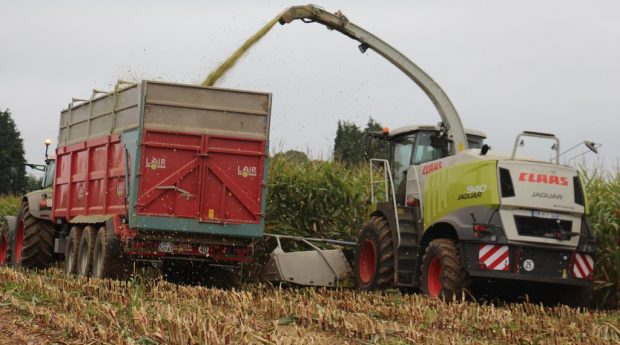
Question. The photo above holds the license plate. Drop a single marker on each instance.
(546, 215)
(204, 250)
(166, 247)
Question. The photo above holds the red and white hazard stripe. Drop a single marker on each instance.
(583, 266)
(494, 257)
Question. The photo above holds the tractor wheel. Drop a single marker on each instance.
(33, 245)
(374, 256)
(443, 274)
(85, 251)
(71, 250)
(107, 259)
(4, 244)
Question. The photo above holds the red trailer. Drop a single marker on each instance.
(151, 172)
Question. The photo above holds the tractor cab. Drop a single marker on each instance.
(48, 169)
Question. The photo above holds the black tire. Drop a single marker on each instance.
(183, 272)
(72, 249)
(578, 296)
(33, 243)
(224, 277)
(442, 265)
(108, 259)
(4, 245)
(374, 256)
(85, 251)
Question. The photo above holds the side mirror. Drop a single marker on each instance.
(484, 149)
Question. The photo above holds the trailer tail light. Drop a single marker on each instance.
(583, 266)
(505, 183)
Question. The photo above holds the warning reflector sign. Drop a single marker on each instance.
(494, 257)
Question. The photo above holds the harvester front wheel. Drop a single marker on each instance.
(71, 250)
(374, 256)
(107, 259)
(443, 275)
(85, 251)
(33, 245)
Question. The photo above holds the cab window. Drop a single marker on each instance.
(48, 179)
(424, 149)
(403, 148)
(474, 142)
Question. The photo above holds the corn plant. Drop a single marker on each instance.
(604, 204)
(9, 205)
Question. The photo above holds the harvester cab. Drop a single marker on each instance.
(412, 146)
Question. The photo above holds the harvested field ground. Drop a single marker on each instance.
(47, 307)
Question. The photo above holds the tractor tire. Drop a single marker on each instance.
(86, 251)
(71, 250)
(443, 275)
(33, 244)
(108, 256)
(4, 245)
(374, 256)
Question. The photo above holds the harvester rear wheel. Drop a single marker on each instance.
(85, 251)
(374, 256)
(577, 296)
(72, 249)
(443, 275)
(107, 259)
(33, 245)
(4, 244)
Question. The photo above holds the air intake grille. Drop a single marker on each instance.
(505, 182)
(579, 199)
(541, 227)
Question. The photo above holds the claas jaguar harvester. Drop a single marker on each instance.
(150, 172)
(447, 211)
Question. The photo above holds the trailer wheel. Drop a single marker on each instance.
(4, 244)
(184, 272)
(71, 250)
(33, 245)
(86, 250)
(107, 258)
(224, 277)
(374, 256)
(443, 275)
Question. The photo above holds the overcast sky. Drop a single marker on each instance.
(508, 66)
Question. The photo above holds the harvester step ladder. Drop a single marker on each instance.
(407, 259)
(382, 167)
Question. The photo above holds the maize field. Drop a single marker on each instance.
(88, 311)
